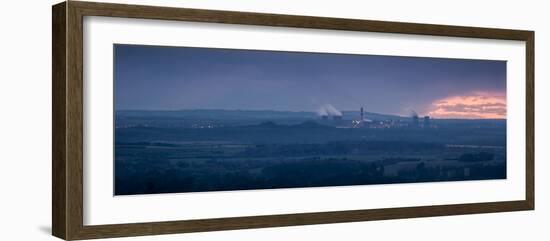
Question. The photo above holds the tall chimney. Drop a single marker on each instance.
(362, 115)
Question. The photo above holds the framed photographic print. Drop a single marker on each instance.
(171, 120)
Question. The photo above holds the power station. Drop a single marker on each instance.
(332, 116)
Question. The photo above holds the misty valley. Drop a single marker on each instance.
(221, 150)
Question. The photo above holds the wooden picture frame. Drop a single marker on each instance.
(67, 152)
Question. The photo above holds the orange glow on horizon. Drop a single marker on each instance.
(478, 105)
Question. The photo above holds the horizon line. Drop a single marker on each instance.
(305, 111)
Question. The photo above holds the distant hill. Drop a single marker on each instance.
(245, 114)
(218, 114)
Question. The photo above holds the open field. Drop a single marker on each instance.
(160, 158)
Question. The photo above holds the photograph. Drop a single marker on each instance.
(193, 119)
(199, 120)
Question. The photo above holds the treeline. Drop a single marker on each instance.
(139, 177)
(337, 148)
(215, 176)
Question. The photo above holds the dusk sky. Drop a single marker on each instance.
(175, 78)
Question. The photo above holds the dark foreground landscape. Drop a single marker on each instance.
(219, 150)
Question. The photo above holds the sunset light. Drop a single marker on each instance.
(479, 105)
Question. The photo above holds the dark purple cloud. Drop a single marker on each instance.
(161, 78)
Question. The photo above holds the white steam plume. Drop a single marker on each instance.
(328, 110)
